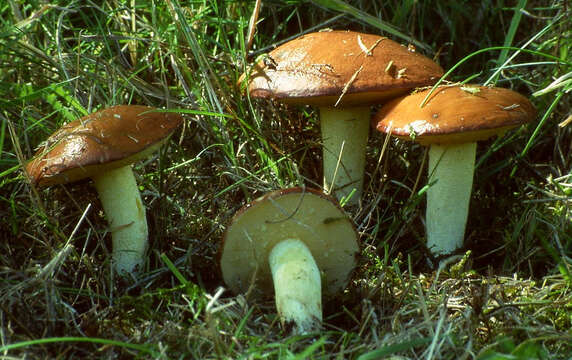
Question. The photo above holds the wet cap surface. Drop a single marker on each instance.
(316, 68)
(454, 114)
(106, 139)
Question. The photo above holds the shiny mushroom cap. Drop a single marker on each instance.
(317, 68)
(297, 213)
(105, 140)
(454, 114)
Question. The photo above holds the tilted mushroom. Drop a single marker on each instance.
(299, 243)
(102, 146)
(343, 73)
(451, 122)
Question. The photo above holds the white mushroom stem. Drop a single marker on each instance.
(125, 214)
(452, 167)
(344, 137)
(297, 285)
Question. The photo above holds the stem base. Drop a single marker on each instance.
(125, 214)
(297, 285)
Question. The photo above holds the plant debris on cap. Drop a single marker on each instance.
(304, 214)
(317, 68)
(454, 114)
(107, 139)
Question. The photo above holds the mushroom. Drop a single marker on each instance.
(343, 73)
(451, 122)
(297, 241)
(102, 146)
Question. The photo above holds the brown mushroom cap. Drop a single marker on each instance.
(297, 213)
(454, 114)
(315, 69)
(105, 140)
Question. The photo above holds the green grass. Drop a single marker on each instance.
(509, 298)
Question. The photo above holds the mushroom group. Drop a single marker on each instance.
(342, 73)
(296, 243)
(453, 119)
(102, 146)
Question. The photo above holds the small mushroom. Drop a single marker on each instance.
(102, 146)
(343, 73)
(451, 122)
(296, 241)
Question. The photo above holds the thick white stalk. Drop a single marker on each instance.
(344, 137)
(297, 285)
(452, 167)
(125, 214)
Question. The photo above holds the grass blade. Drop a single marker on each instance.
(394, 348)
(141, 348)
(510, 35)
(338, 5)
